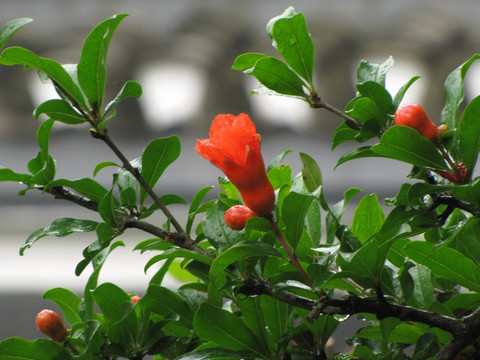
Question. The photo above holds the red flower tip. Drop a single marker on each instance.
(234, 147)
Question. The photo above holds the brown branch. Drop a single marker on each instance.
(317, 103)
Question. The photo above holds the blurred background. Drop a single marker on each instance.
(181, 51)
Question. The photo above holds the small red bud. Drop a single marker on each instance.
(414, 116)
(135, 298)
(236, 217)
(51, 324)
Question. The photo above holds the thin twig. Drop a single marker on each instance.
(317, 103)
(292, 257)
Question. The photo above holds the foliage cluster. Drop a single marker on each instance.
(279, 288)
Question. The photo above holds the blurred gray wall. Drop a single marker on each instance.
(435, 36)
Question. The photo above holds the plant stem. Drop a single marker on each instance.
(291, 256)
(317, 103)
(134, 171)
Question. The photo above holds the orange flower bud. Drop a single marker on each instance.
(135, 298)
(234, 147)
(51, 324)
(236, 217)
(414, 116)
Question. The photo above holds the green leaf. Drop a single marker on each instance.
(311, 174)
(254, 317)
(276, 315)
(377, 93)
(358, 153)
(227, 330)
(454, 93)
(117, 307)
(129, 89)
(60, 110)
(10, 175)
(294, 43)
(86, 187)
(41, 349)
(157, 156)
(365, 109)
(277, 76)
(11, 28)
(423, 292)
(247, 60)
(373, 72)
(294, 210)
(368, 218)
(165, 302)
(111, 298)
(60, 228)
(213, 353)
(469, 134)
(91, 68)
(239, 251)
(103, 165)
(55, 71)
(176, 253)
(192, 211)
(220, 236)
(107, 209)
(401, 92)
(67, 301)
(406, 144)
(444, 262)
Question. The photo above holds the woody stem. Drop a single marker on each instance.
(291, 255)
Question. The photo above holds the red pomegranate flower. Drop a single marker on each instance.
(234, 147)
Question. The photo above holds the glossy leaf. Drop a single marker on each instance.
(358, 153)
(11, 28)
(377, 93)
(405, 144)
(373, 72)
(87, 187)
(40, 349)
(52, 69)
(110, 298)
(195, 204)
(10, 175)
(227, 330)
(60, 228)
(165, 302)
(213, 353)
(91, 68)
(247, 60)
(444, 262)
(157, 156)
(129, 89)
(60, 110)
(216, 230)
(368, 218)
(469, 134)
(401, 92)
(107, 209)
(67, 301)
(177, 253)
(294, 210)
(239, 251)
(118, 310)
(277, 76)
(454, 93)
(311, 174)
(293, 42)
